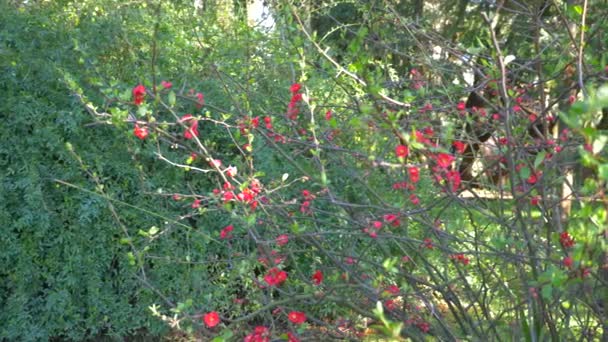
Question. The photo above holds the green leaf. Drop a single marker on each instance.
(171, 98)
(547, 291)
(602, 171)
(539, 159)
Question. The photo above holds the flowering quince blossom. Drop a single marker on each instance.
(192, 130)
(460, 258)
(211, 319)
(317, 277)
(140, 132)
(392, 219)
(231, 171)
(568, 261)
(201, 100)
(292, 108)
(139, 92)
(414, 199)
(282, 240)
(215, 163)
(402, 151)
(297, 317)
(392, 290)
(454, 179)
(389, 304)
(566, 240)
(534, 200)
(459, 146)
(196, 204)
(259, 334)
(225, 233)
(166, 84)
(428, 243)
(414, 174)
(275, 277)
(295, 88)
(461, 106)
(444, 160)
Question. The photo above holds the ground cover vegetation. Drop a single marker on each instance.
(369, 170)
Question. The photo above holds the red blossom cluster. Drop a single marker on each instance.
(392, 219)
(192, 130)
(317, 277)
(248, 195)
(459, 146)
(275, 277)
(277, 258)
(392, 290)
(402, 151)
(211, 319)
(296, 97)
(140, 132)
(259, 334)
(139, 92)
(460, 258)
(566, 240)
(226, 232)
(417, 79)
(568, 261)
(305, 206)
(282, 239)
(297, 317)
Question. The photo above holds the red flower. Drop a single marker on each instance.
(393, 290)
(166, 84)
(297, 317)
(414, 173)
(191, 131)
(392, 219)
(255, 122)
(534, 200)
(454, 180)
(444, 160)
(566, 240)
(328, 115)
(461, 106)
(139, 92)
(295, 88)
(568, 261)
(389, 304)
(402, 151)
(140, 132)
(225, 233)
(201, 100)
(317, 277)
(282, 240)
(275, 277)
(211, 319)
(196, 204)
(460, 258)
(259, 334)
(414, 199)
(459, 146)
(231, 171)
